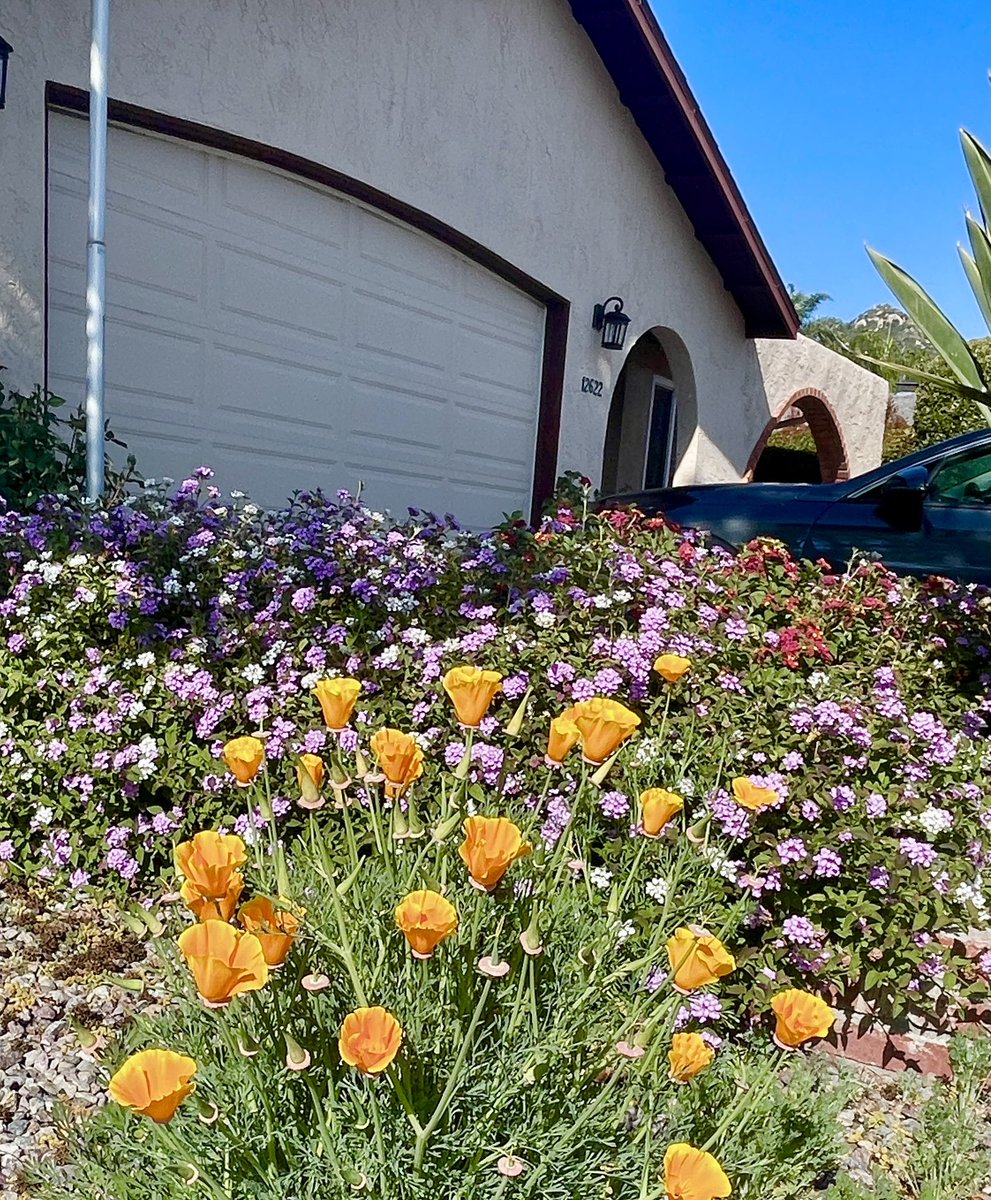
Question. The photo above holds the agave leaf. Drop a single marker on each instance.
(975, 281)
(979, 165)
(937, 327)
(981, 245)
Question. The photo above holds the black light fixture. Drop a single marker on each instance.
(6, 49)
(612, 322)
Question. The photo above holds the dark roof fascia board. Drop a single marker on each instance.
(653, 87)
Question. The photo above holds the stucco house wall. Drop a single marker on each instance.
(498, 118)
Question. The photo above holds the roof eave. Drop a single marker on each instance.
(653, 87)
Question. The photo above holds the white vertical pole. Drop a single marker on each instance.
(96, 248)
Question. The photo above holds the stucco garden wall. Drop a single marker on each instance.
(496, 118)
(858, 398)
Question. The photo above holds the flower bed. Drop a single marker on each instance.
(137, 641)
(492, 803)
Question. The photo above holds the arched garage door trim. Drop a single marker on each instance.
(76, 100)
(826, 432)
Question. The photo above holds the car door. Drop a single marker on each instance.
(931, 519)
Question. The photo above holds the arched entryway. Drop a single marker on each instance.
(652, 416)
(803, 443)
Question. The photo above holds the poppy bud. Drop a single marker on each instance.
(515, 726)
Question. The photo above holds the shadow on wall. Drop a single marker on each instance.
(808, 409)
(652, 417)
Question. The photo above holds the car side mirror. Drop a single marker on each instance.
(901, 500)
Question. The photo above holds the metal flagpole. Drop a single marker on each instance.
(96, 249)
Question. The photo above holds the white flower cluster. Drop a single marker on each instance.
(544, 620)
(600, 878)
(722, 864)
(973, 893)
(935, 820)
(657, 889)
(144, 768)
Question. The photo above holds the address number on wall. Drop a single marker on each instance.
(592, 386)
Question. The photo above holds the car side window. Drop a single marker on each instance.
(963, 481)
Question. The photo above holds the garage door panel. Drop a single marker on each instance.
(307, 302)
(140, 165)
(67, 351)
(67, 223)
(508, 308)
(392, 416)
(387, 327)
(292, 338)
(504, 367)
(248, 388)
(299, 220)
(400, 259)
(146, 361)
(148, 255)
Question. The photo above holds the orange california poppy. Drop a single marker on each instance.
(658, 808)
(244, 757)
(563, 738)
(691, 1174)
(309, 777)
(223, 961)
(604, 725)
(337, 699)
(210, 861)
(153, 1083)
(426, 918)
(275, 928)
(399, 758)
(748, 795)
(801, 1016)
(471, 691)
(491, 846)
(213, 908)
(370, 1039)
(697, 958)
(690, 1053)
(671, 667)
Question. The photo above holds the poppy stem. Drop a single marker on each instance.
(325, 1138)
(344, 948)
(452, 1083)
(746, 1090)
(379, 1142)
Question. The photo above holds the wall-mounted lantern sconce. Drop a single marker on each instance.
(613, 323)
(5, 52)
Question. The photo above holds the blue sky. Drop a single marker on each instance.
(840, 123)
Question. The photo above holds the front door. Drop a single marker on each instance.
(659, 462)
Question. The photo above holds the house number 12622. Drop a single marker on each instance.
(592, 386)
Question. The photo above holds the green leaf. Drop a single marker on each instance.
(980, 265)
(975, 281)
(979, 165)
(924, 311)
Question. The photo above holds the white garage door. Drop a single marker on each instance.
(289, 337)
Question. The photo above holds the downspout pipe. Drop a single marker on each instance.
(96, 249)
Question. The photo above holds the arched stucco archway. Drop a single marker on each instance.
(823, 424)
(653, 414)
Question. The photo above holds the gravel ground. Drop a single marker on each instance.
(52, 962)
(55, 960)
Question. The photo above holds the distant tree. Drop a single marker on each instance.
(940, 411)
(807, 303)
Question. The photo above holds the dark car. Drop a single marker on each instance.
(926, 514)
